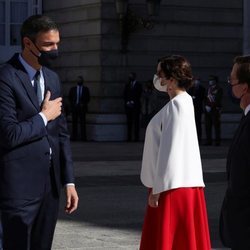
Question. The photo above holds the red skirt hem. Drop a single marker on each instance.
(178, 223)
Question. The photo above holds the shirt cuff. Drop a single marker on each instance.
(44, 118)
(70, 184)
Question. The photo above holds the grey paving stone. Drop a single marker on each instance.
(112, 199)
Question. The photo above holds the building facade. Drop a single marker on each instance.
(209, 33)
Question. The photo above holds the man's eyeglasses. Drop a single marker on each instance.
(229, 81)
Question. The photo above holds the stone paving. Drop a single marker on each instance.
(112, 199)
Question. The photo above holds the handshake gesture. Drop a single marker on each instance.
(51, 108)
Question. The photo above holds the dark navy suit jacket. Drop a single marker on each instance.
(84, 100)
(235, 212)
(25, 141)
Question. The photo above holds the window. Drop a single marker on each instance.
(12, 15)
(18, 13)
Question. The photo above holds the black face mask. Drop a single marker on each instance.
(46, 58)
(234, 99)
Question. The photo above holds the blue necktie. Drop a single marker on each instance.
(37, 87)
(79, 94)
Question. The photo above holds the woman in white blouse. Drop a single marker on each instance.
(176, 217)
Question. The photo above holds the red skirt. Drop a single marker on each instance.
(178, 223)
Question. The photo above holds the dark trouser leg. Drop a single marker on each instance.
(17, 218)
(44, 225)
(83, 125)
(198, 116)
(29, 224)
(129, 124)
(74, 123)
(137, 125)
(216, 122)
(208, 125)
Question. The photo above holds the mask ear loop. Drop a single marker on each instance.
(244, 93)
(37, 56)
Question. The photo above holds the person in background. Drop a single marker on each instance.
(197, 92)
(79, 98)
(235, 211)
(132, 101)
(146, 103)
(176, 216)
(213, 105)
(35, 152)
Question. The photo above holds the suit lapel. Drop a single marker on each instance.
(239, 130)
(234, 144)
(48, 83)
(25, 81)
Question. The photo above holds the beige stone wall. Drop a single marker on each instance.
(80, 28)
(209, 33)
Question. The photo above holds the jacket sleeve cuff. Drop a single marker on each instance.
(44, 118)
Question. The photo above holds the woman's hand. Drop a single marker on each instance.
(153, 199)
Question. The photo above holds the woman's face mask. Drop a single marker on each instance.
(158, 85)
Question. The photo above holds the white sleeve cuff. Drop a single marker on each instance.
(44, 118)
(70, 184)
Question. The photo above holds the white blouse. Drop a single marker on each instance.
(171, 157)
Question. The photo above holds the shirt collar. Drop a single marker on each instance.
(247, 109)
(30, 70)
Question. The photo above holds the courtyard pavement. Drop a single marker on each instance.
(112, 198)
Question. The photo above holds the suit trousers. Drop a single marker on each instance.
(29, 224)
(198, 118)
(79, 114)
(133, 124)
(212, 119)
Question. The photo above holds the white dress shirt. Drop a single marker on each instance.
(247, 109)
(171, 157)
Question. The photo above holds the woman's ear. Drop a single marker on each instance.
(171, 79)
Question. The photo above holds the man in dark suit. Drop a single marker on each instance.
(132, 101)
(213, 105)
(235, 212)
(197, 92)
(35, 154)
(79, 99)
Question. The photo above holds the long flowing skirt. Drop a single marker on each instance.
(178, 223)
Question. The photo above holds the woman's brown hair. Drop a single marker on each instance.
(179, 68)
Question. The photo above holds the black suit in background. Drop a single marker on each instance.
(213, 106)
(132, 101)
(30, 176)
(197, 93)
(79, 109)
(235, 212)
